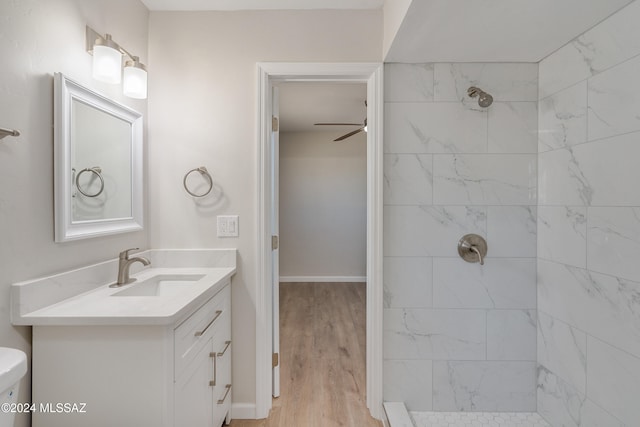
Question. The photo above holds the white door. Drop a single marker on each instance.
(275, 253)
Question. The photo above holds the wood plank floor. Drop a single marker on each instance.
(322, 352)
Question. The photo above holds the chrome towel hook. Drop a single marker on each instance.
(204, 172)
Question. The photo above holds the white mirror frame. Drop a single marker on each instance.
(65, 91)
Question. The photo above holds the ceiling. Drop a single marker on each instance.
(432, 31)
(493, 30)
(303, 104)
(260, 4)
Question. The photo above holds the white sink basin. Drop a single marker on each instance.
(160, 286)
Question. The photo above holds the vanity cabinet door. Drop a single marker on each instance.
(222, 404)
(193, 392)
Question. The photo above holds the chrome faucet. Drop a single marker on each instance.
(124, 264)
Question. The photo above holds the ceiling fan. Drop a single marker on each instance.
(363, 127)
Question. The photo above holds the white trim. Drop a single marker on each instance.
(65, 227)
(397, 414)
(243, 411)
(371, 74)
(322, 279)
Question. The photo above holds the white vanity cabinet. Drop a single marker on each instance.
(137, 375)
(202, 344)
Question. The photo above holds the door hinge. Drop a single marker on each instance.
(274, 243)
(274, 124)
(275, 359)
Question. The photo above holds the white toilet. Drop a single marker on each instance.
(13, 366)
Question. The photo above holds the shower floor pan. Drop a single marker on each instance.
(477, 419)
(398, 416)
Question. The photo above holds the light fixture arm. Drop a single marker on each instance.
(93, 37)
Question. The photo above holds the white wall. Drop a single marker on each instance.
(394, 12)
(203, 104)
(323, 205)
(460, 336)
(589, 227)
(38, 38)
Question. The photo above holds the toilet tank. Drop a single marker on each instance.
(13, 366)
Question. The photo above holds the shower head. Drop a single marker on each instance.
(484, 99)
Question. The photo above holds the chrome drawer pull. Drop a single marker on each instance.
(212, 355)
(200, 333)
(221, 401)
(228, 343)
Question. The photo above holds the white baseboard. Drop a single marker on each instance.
(243, 411)
(323, 279)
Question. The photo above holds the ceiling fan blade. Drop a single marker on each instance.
(343, 137)
(337, 124)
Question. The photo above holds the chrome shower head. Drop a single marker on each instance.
(484, 99)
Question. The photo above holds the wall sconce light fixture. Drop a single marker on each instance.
(107, 65)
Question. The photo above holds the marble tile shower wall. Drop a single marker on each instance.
(460, 336)
(589, 228)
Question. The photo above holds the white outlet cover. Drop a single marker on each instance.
(227, 225)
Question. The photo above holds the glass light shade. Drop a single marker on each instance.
(107, 64)
(135, 81)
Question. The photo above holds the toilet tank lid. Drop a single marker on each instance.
(13, 366)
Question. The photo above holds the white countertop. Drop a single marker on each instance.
(99, 307)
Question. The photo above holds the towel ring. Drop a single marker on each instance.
(97, 171)
(203, 171)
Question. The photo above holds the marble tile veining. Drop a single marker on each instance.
(561, 180)
(408, 282)
(562, 405)
(500, 283)
(562, 234)
(513, 127)
(562, 349)
(424, 230)
(434, 128)
(408, 82)
(434, 334)
(492, 179)
(511, 335)
(563, 118)
(512, 231)
(615, 376)
(484, 386)
(609, 43)
(614, 100)
(613, 241)
(408, 179)
(601, 305)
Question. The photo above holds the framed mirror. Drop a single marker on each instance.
(97, 164)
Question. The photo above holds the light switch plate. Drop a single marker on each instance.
(227, 225)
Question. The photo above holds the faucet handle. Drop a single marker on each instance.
(125, 254)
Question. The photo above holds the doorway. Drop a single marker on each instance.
(322, 171)
(268, 75)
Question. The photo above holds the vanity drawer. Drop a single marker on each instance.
(213, 318)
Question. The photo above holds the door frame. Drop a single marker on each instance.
(372, 75)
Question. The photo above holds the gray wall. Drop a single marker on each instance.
(460, 336)
(323, 206)
(589, 228)
(38, 38)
